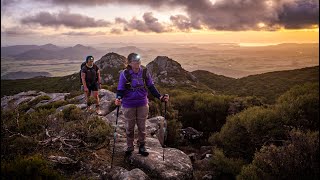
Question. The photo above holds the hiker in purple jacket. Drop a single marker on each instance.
(132, 95)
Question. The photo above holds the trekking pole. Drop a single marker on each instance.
(165, 127)
(115, 135)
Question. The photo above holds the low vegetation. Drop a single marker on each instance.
(29, 139)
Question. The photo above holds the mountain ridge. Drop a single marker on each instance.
(168, 73)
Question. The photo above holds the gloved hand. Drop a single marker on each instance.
(164, 98)
(118, 101)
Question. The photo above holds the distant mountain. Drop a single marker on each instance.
(50, 47)
(49, 51)
(15, 50)
(36, 54)
(25, 75)
(126, 50)
(79, 52)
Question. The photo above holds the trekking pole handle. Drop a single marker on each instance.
(165, 95)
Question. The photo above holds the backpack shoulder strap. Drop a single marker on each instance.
(144, 76)
(82, 65)
(127, 75)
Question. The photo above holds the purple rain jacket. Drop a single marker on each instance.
(137, 95)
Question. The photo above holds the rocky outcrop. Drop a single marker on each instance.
(162, 163)
(119, 173)
(111, 60)
(167, 71)
(15, 100)
(190, 133)
(110, 66)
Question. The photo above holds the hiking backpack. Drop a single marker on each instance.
(82, 65)
(128, 77)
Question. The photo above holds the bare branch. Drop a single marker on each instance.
(47, 133)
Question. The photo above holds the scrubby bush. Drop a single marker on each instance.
(299, 107)
(35, 122)
(72, 113)
(91, 130)
(204, 112)
(224, 166)
(97, 130)
(33, 167)
(297, 159)
(91, 100)
(27, 124)
(173, 134)
(249, 130)
(17, 145)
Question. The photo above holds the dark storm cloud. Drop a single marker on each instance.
(246, 14)
(7, 5)
(152, 3)
(148, 24)
(65, 19)
(299, 14)
(184, 23)
(230, 15)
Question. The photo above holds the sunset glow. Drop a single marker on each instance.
(138, 21)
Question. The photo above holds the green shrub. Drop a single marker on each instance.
(173, 134)
(93, 130)
(8, 120)
(91, 100)
(297, 159)
(72, 113)
(204, 112)
(248, 130)
(98, 130)
(34, 167)
(35, 122)
(223, 165)
(299, 107)
(17, 145)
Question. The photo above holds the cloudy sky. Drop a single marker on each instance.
(70, 22)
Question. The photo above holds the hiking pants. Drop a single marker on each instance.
(133, 116)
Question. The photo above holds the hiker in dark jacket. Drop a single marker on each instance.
(91, 80)
(132, 95)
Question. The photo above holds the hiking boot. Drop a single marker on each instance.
(129, 151)
(143, 150)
